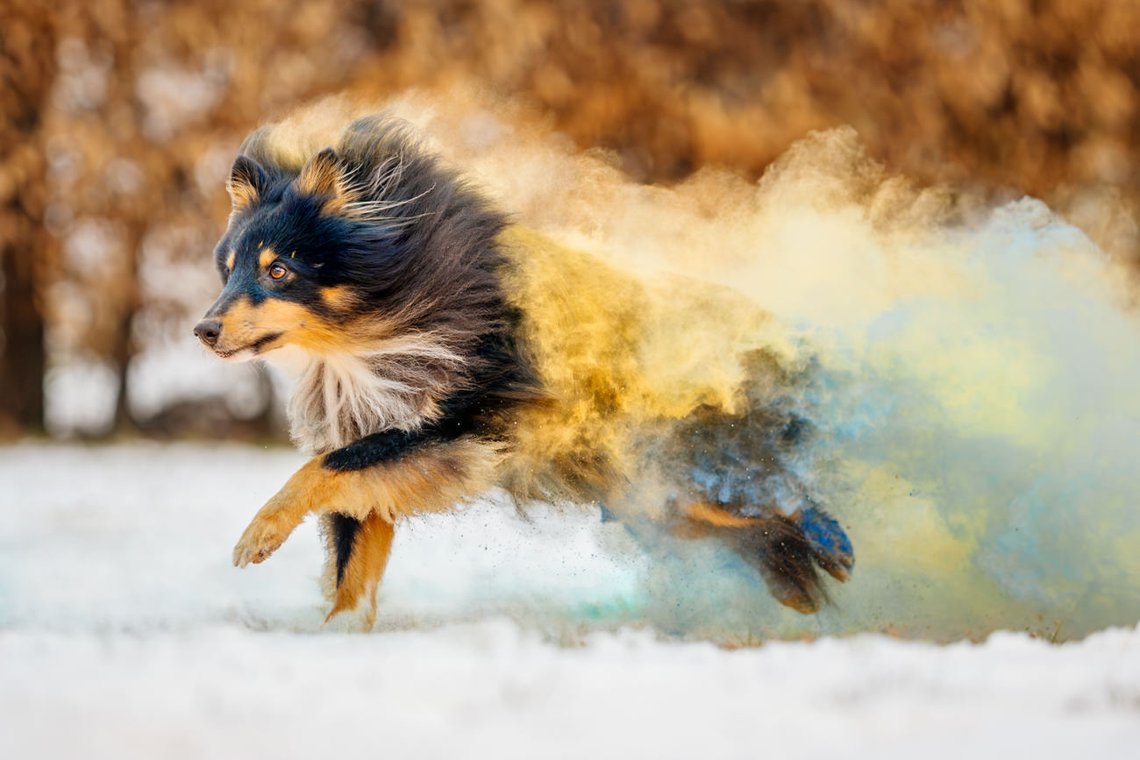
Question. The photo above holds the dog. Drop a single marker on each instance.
(441, 351)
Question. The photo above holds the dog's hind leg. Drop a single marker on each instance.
(785, 549)
(357, 553)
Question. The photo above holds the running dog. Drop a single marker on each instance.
(441, 351)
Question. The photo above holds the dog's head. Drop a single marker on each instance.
(283, 261)
(371, 245)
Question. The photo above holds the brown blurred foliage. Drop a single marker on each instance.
(121, 117)
(1018, 96)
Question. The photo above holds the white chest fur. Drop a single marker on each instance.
(339, 399)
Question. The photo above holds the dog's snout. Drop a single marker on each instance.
(208, 331)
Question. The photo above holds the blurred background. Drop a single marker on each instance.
(121, 118)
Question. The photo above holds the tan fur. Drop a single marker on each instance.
(230, 259)
(339, 297)
(242, 193)
(718, 518)
(243, 324)
(361, 579)
(432, 479)
(266, 257)
(322, 177)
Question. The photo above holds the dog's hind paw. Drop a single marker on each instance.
(828, 541)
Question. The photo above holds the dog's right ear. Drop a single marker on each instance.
(247, 182)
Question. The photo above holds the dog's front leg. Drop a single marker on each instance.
(388, 474)
(359, 491)
(273, 523)
(340, 481)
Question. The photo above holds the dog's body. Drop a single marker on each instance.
(441, 353)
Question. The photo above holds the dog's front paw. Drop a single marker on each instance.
(263, 537)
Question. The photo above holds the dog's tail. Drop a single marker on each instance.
(357, 553)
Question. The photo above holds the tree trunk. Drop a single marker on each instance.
(27, 50)
(123, 347)
(24, 361)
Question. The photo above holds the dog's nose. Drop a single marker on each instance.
(208, 331)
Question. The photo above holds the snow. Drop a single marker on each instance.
(125, 633)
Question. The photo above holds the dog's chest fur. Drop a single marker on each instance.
(340, 399)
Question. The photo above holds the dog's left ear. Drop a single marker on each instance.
(322, 177)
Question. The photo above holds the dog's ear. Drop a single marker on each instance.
(322, 177)
(247, 182)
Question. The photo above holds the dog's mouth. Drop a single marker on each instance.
(254, 348)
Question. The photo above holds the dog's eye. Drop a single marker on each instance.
(277, 271)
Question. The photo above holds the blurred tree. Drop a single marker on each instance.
(27, 56)
(120, 118)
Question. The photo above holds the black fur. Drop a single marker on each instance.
(343, 531)
(371, 450)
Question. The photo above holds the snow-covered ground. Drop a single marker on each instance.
(125, 632)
